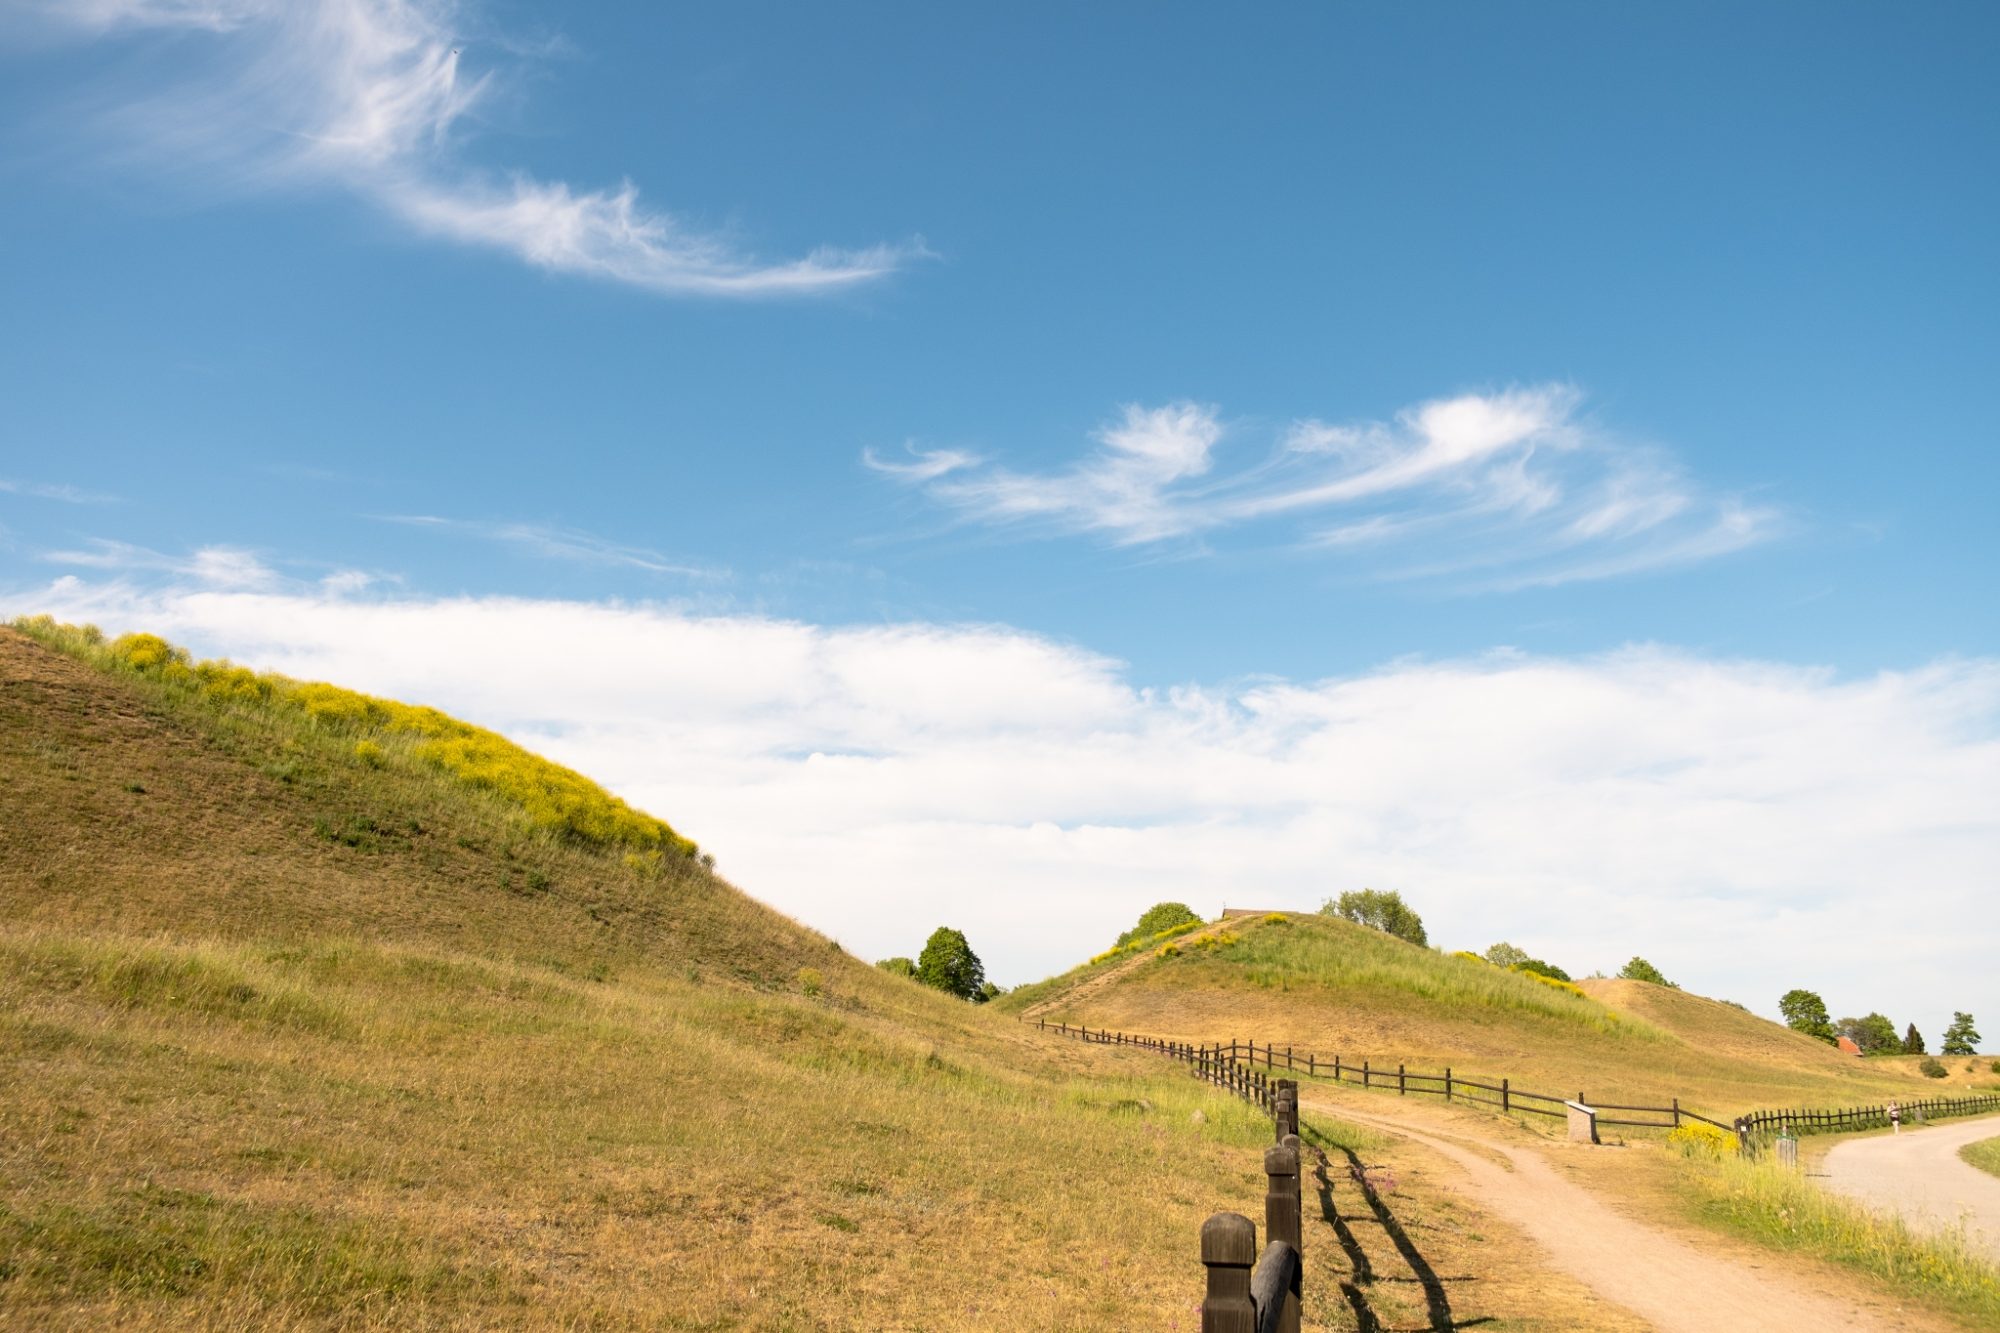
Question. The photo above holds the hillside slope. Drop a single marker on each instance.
(136, 805)
(1333, 987)
(297, 1034)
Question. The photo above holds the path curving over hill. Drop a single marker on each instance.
(1073, 997)
(1656, 1275)
(1919, 1175)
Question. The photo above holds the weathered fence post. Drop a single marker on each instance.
(1310, 1071)
(1402, 1088)
(1291, 1144)
(1364, 1074)
(1228, 1250)
(1447, 1082)
(1506, 1098)
(1677, 1113)
(1281, 1218)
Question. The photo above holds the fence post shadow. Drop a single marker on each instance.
(1437, 1301)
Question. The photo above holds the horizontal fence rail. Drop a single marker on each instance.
(1849, 1119)
(1214, 1061)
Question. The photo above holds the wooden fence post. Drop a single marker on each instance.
(1310, 1071)
(1677, 1113)
(1290, 1143)
(1447, 1082)
(1506, 1100)
(1228, 1250)
(1364, 1074)
(1402, 1088)
(1281, 1203)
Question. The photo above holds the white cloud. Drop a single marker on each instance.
(1748, 826)
(371, 95)
(209, 566)
(1508, 489)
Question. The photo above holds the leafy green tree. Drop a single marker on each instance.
(1504, 954)
(1805, 1012)
(989, 991)
(1541, 968)
(1875, 1035)
(1913, 1042)
(1384, 911)
(949, 964)
(901, 967)
(1961, 1038)
(1158, 917)
(1641, 970)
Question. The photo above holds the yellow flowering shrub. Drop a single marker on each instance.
(1553, 983)
(1695, 1139)
(550, 796)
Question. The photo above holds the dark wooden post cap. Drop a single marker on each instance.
(1229, 1240)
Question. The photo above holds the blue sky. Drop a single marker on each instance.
(1222, 349)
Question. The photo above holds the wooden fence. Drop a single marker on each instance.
(1217, 1060)
(1809, 1121)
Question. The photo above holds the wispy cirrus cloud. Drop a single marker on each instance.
(558, 543)
(371, 96)
(209, 566)
(1506, 489)
(67, 494)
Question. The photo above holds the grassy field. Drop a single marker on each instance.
(1326, 985)
(300, 1032)
(1984, 1154)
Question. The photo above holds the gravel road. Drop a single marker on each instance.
(1919, 1174)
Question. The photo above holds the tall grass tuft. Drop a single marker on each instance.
(1780, 1208)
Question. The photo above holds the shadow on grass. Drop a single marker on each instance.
(1361, 1269)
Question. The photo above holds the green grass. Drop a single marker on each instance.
(1784, 1210)
(1332, 987)
(1984, 1154)
(1324, 953)
(377, 732)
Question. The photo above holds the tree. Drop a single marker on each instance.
(949, 964)
(1504, 954)
(1875, 1035)
(1641, 970)
(1158, 917)
(899, 967)
(1384, 911)
(1805, 1012)
(1913, 1042)
(989, 991)
(1540, 968)
(1960, 1038)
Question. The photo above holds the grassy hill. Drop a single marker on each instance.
(1333, 987)
(312, 1013)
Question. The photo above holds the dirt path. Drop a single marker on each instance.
(1088, 987)
(1919, 1174)
(1652, 1273)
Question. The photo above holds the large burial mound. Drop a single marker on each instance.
(1330, 986)
(320, 1010)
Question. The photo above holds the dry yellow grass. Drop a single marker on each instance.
(300, 1037)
